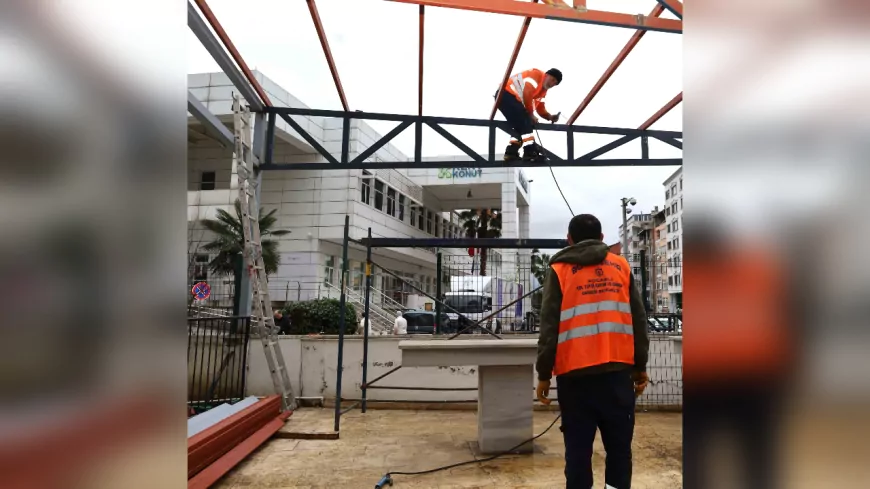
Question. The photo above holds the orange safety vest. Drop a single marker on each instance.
(529, 86)
(595, 326)
(738, 327)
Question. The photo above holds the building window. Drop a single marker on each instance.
(379, 195)
(429, 222)
(391, 202)
(677, 244)
(413, 214)
(674, 189)
(329, 270)
(402, 208)
(669, 228)
(668, 211)
(670, 280)
(669, 245)
(200, 268)
(365, 195)
(681, 184)
(667, 194)
(681, 203)
(420, 221)
(207, 180)
(674, 208)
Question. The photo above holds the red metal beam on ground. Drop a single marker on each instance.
(312, 7)
(211, 444)
(222, 34)
(511, 7)
(507, 72)
(211, 474)
(664, 110)
(629, 46)
(420, 63)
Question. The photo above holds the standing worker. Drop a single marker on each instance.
(521, 97)
(593, 337)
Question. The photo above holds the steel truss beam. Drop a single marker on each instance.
(661, 112)
(535, 10)
(629, 46)
(213, 126)
(675, 7)
(489, 243)
(476, 160)
(321, 34)
(245, 82)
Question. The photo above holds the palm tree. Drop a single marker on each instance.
(481, 223)
(540, 264)
(229, 243)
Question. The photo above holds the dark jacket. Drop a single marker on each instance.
(589, 252)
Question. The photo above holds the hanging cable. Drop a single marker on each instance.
(555, 180)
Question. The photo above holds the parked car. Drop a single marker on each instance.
(423, 322)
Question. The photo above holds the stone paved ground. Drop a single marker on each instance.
(396, 440)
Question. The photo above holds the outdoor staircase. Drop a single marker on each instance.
(380, 319)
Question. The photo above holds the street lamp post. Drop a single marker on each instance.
(626, 201)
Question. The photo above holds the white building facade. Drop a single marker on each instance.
(312, 204)
(674, 221)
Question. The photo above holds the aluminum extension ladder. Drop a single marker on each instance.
(261, 310)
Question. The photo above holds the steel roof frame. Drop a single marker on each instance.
(548, 9)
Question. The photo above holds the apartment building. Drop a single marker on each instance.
(674, 228)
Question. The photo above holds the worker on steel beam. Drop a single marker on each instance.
(593, 337)
(521, 97)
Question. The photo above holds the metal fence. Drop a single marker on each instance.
(665, 370)
(217, 353)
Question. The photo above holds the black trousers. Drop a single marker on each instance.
(750, 414)
(604, 402)
(515, 114)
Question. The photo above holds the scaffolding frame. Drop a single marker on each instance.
(232, 63)
(218, 44)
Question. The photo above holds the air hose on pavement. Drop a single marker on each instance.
(387, 479)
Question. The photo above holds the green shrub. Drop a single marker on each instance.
(320, 316)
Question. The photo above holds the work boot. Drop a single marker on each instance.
(512, 152)
(532, 152)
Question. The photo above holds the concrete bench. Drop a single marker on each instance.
(504, 380)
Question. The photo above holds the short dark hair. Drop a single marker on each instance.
(555, 74)
(584, 226)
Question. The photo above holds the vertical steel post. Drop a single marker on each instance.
(438, 295)
(341, 324)
(365, 366)
(418, 141)
(345, 139)
(491, 142)
(644, 147)
(270, 137)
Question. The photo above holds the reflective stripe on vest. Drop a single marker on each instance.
(595, 324)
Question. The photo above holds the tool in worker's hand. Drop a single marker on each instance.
(385, 481)
(555, 118)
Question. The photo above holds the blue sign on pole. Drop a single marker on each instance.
(201, 291)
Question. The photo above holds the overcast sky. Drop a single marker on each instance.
(375, 47)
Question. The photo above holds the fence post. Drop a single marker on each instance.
(438, 279)
(341, 324)
(365, 366)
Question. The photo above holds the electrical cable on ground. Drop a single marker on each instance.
(554, 179)
(387, 479)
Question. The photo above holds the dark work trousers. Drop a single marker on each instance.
(606, 402)
(750, 414)
(515, 114)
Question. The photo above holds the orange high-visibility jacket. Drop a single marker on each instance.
(595, 326)
(530, 84)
